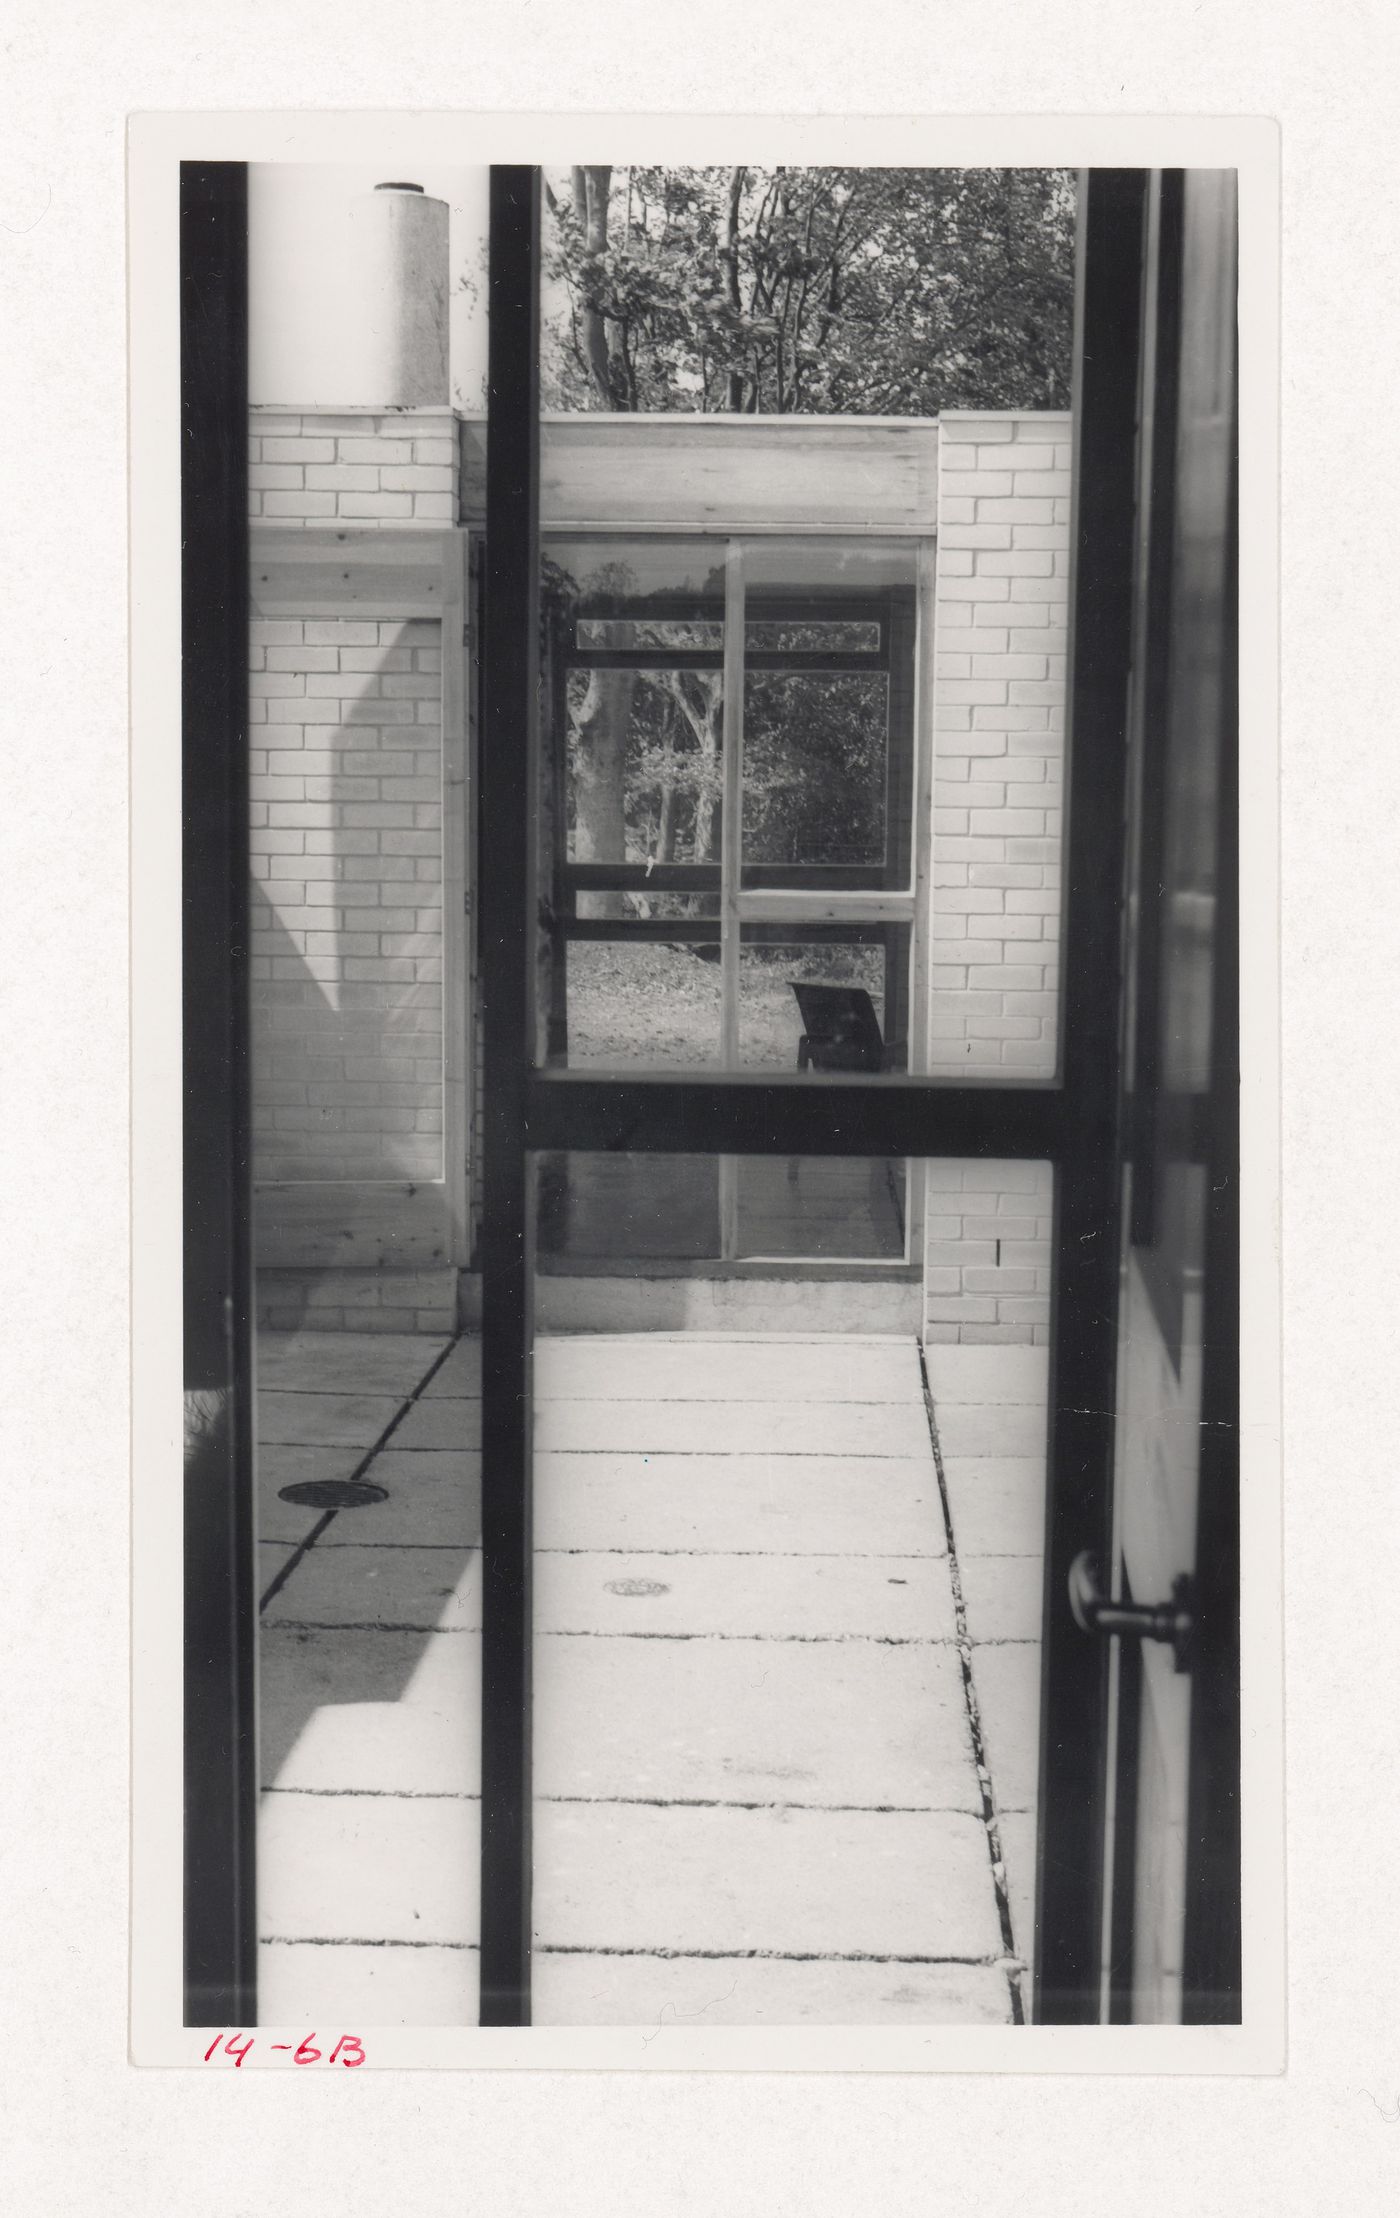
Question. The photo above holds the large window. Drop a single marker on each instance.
(731, 856)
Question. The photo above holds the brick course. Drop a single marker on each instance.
(312, 466)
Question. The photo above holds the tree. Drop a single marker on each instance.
(848, 291)
(777, 290)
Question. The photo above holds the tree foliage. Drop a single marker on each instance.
(894, 292)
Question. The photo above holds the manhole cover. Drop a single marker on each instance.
(636, 1586)
(333, 1493)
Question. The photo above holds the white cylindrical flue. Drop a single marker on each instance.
(400, 274)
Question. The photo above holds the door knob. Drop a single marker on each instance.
(1172, 1621)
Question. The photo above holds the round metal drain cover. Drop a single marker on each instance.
(636, 1586)
(333, 1493)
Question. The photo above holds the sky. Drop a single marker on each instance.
(301, 279)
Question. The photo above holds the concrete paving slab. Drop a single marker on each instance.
(695, 1427)
(324, 1420)
(997, 1504)
(894, 1597)
(658, 1992)
(1007, 1684)
(1002, 1596)
(653, 1367)
(349, 1585)
(345, 1362)
(433, 1500)
(382, 1712)
(368, 1868)
(995, 1375)
(460, 1376)
(986, 1429)
(813, 1505)
(849, 1721)
(355, 1988)
(795, 1881)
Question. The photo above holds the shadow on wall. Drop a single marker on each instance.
(346, 838)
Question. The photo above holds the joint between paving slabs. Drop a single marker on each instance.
(642, 1801)
(1012, 1964)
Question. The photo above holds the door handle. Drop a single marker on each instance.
(1173, 1622)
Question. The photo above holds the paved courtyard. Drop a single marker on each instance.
(784, 1733)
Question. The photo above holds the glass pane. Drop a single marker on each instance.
(814, 636)
(816, 749)
(614, 1212)
(651, 1002)
(827, 1003)
(828, 752)
(633, 748)
(642, 766)
(641, 634)
(756, 1753)
(819, 1207)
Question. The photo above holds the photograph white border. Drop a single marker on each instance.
(397, 141)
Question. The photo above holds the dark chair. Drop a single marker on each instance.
(842, 1032)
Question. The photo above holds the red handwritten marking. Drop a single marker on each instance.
(306, 2052)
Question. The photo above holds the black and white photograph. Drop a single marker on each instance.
(698, 944)
(710, 980)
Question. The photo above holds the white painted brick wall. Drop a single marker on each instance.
(1001, 615)
(316, 466)
(346, 841)
(357, 1300)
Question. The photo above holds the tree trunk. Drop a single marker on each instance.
(591, 188)
(599, 757)
(730, 258)
(707, 732)
(666, 825)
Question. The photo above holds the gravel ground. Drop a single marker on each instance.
(659, 1004)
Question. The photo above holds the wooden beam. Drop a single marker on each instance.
(848, 475)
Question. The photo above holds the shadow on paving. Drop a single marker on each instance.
(369, 1649)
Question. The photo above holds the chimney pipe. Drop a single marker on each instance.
(400, 260)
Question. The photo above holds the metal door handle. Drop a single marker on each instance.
(1172, 1621)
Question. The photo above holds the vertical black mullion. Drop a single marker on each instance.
(1212, 1975)
(1070, 1876)
(1158, 547)
(511, 675)
(220, 1594)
